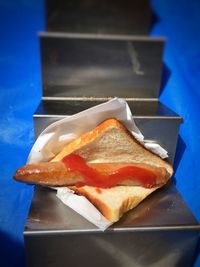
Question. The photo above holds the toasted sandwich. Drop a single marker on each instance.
(107, 165)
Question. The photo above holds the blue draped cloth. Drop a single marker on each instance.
(20, 93)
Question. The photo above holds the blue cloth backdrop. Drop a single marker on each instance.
(20, 93)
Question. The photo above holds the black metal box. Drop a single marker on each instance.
(100, 66)
(80, 71)
(99, 16)
(161, 231)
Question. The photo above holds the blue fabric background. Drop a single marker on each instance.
(20, 93)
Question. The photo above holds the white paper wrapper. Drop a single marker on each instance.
(58, 134)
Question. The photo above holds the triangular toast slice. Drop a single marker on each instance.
(114, 202)
(110, 141)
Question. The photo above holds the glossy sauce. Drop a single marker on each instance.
(92, 177)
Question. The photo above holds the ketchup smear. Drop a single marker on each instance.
(92, 177)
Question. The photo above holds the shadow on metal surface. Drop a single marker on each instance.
(181, 147)
(166, 73)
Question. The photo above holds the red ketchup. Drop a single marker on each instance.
(92, 177)
(98, 190)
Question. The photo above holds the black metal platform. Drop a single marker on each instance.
(161, 231)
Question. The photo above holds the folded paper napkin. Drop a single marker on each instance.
(55, 136)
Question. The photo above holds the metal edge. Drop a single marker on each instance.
(175, 116)
(100, 36)
(116, 230)
(165, 117)
(66, 98)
